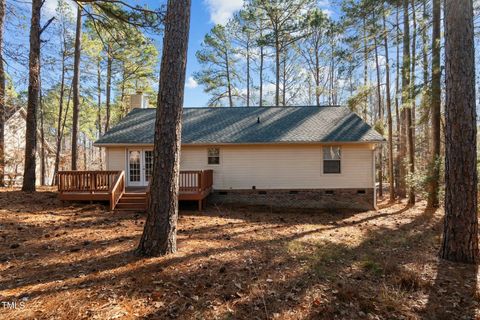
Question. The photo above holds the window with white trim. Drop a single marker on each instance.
(332, 159)
(213, 156)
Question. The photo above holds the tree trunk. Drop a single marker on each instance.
(400, 189)
(460, 233)
(389, 112)
(426, 85)
(29, 175)
(84, 151)
(380, 117)
(435, 103)
(99, 106)
(76, 88)
(277, 70)
(2, 98)
(411, 109)
(159, 235)
(248, 70)
(284, 79)
(42, 139)
(108, 88)
(404, 113)
(261, 77)
(317, 77)
(58, 142)
(229, 85)
(365, 68)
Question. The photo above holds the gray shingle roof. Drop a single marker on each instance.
(249, 125)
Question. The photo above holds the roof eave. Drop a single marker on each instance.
(243, 143)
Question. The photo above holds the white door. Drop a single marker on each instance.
(140, 166)
(147, 165)
(135, 178)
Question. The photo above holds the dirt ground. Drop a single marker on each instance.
(77, 262)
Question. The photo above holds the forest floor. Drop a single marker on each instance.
(78, 262)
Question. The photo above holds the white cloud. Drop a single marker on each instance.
(222, 10)
(50, 6)
(191, 83)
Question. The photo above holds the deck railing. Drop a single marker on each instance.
(86, 181)
(110, 185)
(117, 190)
(195, 181)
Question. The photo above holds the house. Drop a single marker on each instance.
(309, 157)
(15, 130)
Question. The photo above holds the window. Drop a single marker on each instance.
(331, 159)
(213, 156)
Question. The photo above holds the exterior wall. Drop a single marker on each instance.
(281, 175)
(283, 167)
(116, 158)
(15, 130)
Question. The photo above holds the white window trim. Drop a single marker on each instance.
(341, 161)
(219, 157)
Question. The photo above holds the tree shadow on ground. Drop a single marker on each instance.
(244, 264)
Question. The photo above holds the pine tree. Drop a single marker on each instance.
(29, 175)
(460, 233)
(159, 234)
(220, 71)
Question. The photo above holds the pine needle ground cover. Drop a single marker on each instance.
(77, 262)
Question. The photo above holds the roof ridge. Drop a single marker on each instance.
(254, 107)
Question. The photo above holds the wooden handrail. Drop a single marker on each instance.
(117, 190)
(86, 181)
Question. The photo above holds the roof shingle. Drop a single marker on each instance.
(247, 125)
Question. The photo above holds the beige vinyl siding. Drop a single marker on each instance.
(116, 159)
(273, 166)
(283, 166)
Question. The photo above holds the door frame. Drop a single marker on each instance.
(143, 181)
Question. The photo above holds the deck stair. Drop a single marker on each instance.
(134, 201)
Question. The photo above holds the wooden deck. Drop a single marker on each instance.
(111, 186)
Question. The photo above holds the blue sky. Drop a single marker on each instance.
(204, 15)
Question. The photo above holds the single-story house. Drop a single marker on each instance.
(308, 157)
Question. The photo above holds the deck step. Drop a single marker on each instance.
(132, 202)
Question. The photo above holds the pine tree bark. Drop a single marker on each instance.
(108, 89)
(229, 84)
(248, 69)
(460, 233)
(411, 109)
(380, 117)
(76, 88)
(58, 141)
(261, 77)
(2, 98)
(399, 187)
(405, 110)
(389, 112)
(160, 233)
(277, 70)
(99, 106)
(43, 169)
(435, 104)
(33, 95)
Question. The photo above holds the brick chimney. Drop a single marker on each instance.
(138, 101)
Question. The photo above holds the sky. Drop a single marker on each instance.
(204, 15)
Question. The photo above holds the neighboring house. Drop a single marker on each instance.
(309, 157)
(15, 129)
